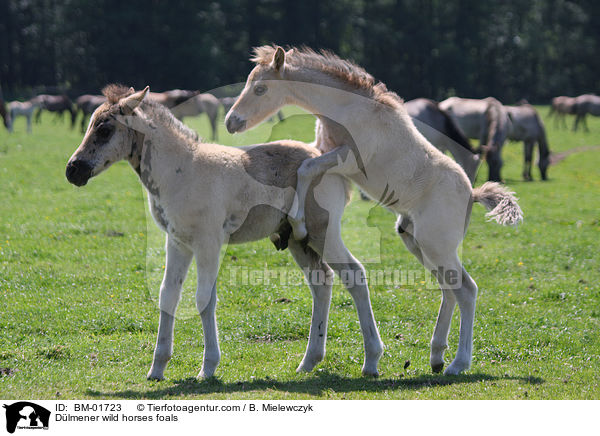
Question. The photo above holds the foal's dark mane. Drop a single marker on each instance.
(329, 63)
(115, 92)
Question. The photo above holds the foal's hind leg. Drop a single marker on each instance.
(438, 231)
(178, 262)
(320, 278)
(440, 256)
(405, 228)
(439, 341)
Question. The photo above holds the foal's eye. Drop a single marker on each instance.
(260, 89)
(103, 131)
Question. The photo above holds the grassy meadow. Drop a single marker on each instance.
(80, 270)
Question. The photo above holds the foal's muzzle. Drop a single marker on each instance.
(234, 123)
(78, 172)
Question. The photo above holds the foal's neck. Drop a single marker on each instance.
(161, 132)
(319, 92)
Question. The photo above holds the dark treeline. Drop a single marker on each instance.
(511, 49)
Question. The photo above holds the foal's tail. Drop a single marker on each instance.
(501, 203)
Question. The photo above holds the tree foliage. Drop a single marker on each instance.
(511, 49)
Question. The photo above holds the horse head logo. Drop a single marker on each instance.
(30, 415)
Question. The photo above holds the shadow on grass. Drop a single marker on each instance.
(317, 385)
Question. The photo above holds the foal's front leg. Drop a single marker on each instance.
(207, 263)
(309, 170)
(178, 262)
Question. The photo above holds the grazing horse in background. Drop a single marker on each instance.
(227, 102)
(561, 106)
(196, 105)
(25, 109)
(171, 98)
(439, 129)
(206, 195)
(3, 112)
(527, 126)
(486, 120)
(55, 103)
(87, 104)
(365, 134)
(586, 104)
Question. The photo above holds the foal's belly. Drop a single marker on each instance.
(262, 221)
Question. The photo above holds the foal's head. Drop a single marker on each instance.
(107, 139)
(265, 91)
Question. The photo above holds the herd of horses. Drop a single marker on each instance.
(205, 195)
(449, 125)
(579, 106)
(182, 103)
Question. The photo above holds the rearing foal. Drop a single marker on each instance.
(366, 135)
(205, 195)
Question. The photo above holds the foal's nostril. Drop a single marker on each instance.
(78, 172)
(234, 124)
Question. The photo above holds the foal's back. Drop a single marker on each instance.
(275, 165)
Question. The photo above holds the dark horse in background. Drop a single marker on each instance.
(58, 104)
(439, 129)
(585, 104)
(87, 104)
(3, 112)
(486, 120)
(526, 125)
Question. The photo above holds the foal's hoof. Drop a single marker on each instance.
(456, 368)
(154, 376)
(303, 367)
(204, 375)
(437, 368)
(370, 372)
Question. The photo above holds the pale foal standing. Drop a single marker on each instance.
(22, 109)
(206, 195)
(366, 135)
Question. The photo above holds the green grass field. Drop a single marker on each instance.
(80, 269)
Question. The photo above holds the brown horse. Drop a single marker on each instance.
(171, 98)
(586, 104)
(526, 125)
(55, 103)
(486, 120)
(439, 129)
(561, 106)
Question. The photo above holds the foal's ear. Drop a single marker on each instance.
(278, 59)
(128, 104)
